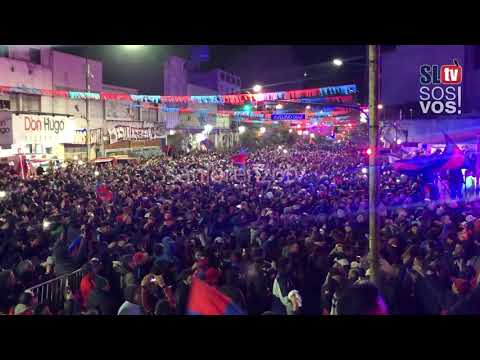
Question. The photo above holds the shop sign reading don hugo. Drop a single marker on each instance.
(41, 129)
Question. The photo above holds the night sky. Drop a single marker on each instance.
(277, 67)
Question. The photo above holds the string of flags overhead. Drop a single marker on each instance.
(237, 99)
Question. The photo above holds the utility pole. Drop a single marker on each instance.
(87, 117)
(373, 171)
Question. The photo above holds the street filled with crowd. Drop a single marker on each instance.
(286, 234)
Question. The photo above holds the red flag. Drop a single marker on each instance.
(207, 300)
(239, 159)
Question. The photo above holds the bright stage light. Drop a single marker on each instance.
(257, 88)
(337, 62)
(208, 128)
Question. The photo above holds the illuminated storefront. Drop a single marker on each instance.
(38, 135)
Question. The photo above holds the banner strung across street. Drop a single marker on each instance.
(120, 133)
(236, 99)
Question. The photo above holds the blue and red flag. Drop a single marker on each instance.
(451, 158)
(206, 300)
(73, 247)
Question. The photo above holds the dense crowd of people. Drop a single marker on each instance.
(285, 234)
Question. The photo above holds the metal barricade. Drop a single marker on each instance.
(52, 292)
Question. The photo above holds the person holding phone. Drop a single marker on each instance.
(154, 288)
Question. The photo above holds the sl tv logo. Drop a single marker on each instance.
(451, 74)
(446, 74)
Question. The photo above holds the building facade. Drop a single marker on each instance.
(182, 78)
(54, 126)
(177, 77)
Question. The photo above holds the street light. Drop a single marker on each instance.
(3, 194)
(308, 107)
(257, 88)
(262, 130)
(279, 107)
(241, 129)
(380, 107)
(399, 141)
(337, 62)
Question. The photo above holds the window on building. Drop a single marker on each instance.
(35, 56)
(48, 150)
(28, 148)
(3, 51)
(30, 103)
(5, 104)
(38, 148)
(149, 115)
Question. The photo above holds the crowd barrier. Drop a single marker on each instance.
(52, 292)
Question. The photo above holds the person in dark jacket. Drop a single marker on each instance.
(258, 290)
(232, 290)
(362, 299)
(182, 290)
(7, 293)
(282, 286)
(468, 305)
(100, 297)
